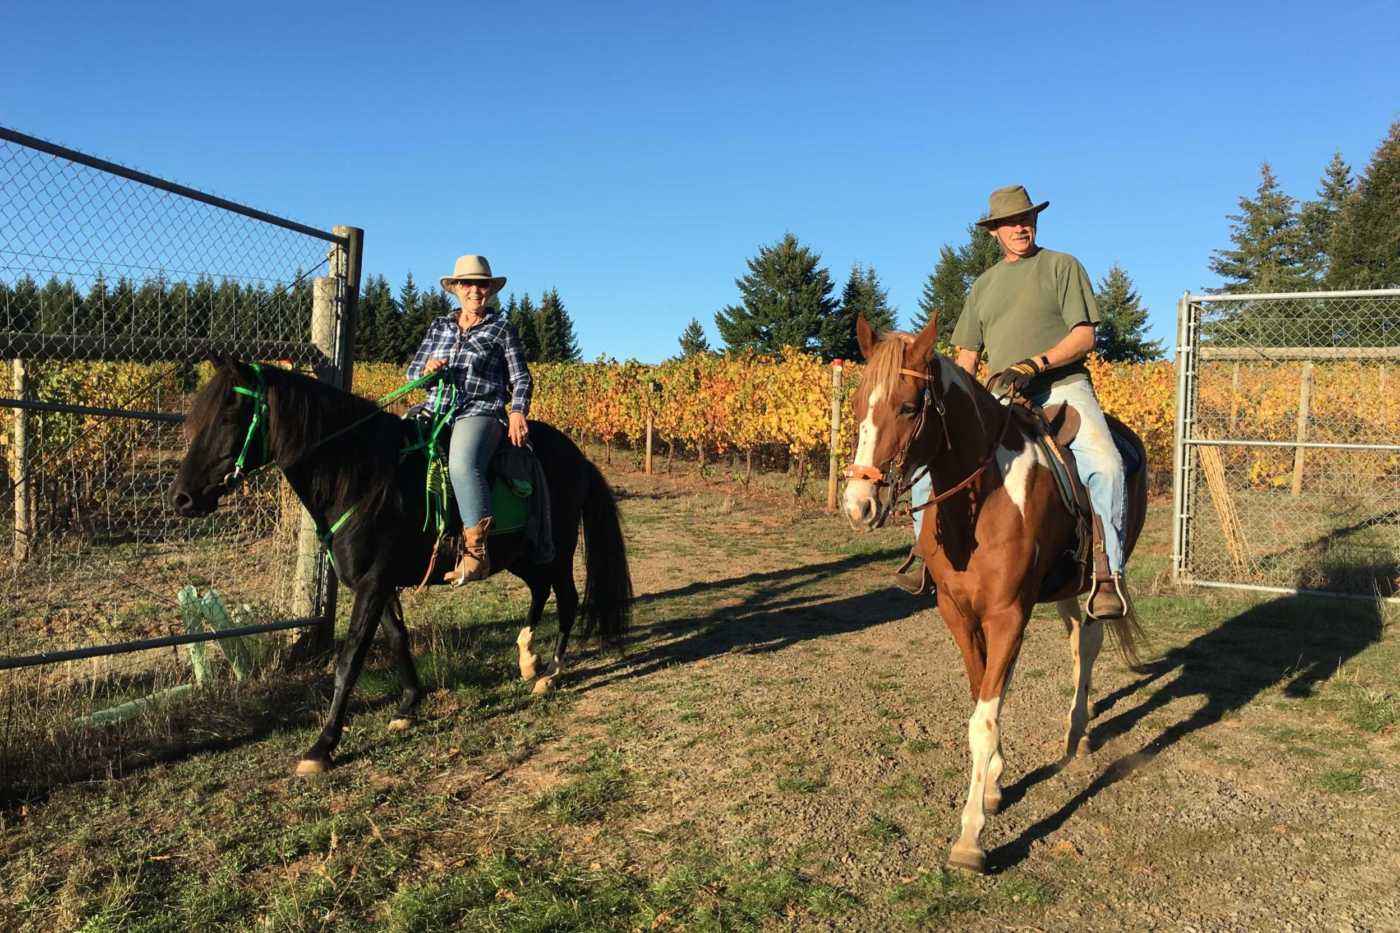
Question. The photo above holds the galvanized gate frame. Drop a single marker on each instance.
(1188, 441)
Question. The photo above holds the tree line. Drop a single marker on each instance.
(786, 300)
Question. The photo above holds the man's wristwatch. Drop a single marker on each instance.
(1044, 362)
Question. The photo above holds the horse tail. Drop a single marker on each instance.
(1128, 632)
(607, 588)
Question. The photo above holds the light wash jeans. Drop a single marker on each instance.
(474, 441)
(1100, 465)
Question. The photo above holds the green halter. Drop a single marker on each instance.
(259, 420)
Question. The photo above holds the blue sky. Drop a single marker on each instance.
(634, 155)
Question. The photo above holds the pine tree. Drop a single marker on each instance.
(785, 299)
(1365, 245)
(693, 339)
(521, 316)
(410, 314)
(862, 295)
(1269, 251)
(947, 285)
(556, 331)
(1317, 219)
(1119, 335)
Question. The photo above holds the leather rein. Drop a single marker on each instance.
(899, 485)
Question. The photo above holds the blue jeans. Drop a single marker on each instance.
(1100, 465)
(474, 441)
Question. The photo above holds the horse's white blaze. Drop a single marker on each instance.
(868, 433)
(860, 492)
(982, 739)
(1015, 466)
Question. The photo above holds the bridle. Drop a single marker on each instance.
(259, 420)
(900, 484)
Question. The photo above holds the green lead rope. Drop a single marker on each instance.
(329, 533)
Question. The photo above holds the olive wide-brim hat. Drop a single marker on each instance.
(472, 268)
(1009, 202)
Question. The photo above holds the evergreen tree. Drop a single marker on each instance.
(1318, 218)
(521, 315)
(785, 298)
(693, 339)
(1365, 244)
(431, 306)
(947, 285)
(556, 331)
(1269, 249)
(1119, 335)
(374, 317)
(862, 295)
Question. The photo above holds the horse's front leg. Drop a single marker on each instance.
(369, 604)
(1085, 640)
(1003, 631)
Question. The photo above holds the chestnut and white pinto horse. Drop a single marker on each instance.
(994, 539)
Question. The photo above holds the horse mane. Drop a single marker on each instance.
(886, 360)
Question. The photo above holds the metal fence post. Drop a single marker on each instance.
(1183, 362)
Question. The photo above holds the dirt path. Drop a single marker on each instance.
(786, 698)
(782, 746)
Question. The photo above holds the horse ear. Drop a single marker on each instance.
(922, 349)
(865, 336)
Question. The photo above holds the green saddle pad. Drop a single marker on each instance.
(510, 504)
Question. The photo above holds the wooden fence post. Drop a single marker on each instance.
(19, 464)
(1304, 413)
(648, 458)
(833, 459)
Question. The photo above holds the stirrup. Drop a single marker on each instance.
(1108, 613)
(920, 584)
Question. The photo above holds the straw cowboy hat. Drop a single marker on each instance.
(1009, 202)
(473, 269)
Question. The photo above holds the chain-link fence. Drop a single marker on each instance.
(1288, 442)
(114, 285)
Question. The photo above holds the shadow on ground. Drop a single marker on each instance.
(772, 613)
(1294, 641)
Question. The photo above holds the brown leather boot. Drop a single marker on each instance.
(1106, 601)
(474, 564)
(916, 581)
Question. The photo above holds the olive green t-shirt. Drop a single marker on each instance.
(1021, 309)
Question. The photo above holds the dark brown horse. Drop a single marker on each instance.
(995, 543)
(344, 458)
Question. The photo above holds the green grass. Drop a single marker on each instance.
(1342, 781)
(932, 897)
(600, 783)
(883, 830)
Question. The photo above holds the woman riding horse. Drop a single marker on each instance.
(486, 370)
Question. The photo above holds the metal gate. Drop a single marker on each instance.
(114, 285)
(1287, 456)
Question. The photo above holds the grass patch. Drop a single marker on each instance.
(798, 780)
(934, 896)
(601, 782)
(1342, 781)
(883, 830)
(1025, 891)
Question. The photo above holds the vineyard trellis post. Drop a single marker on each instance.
(19, 464)
(1277, 392)
(833, 464)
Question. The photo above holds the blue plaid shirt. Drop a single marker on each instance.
(485, 365)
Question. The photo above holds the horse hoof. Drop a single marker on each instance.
(543, 685)
(968, 859)
(1083, 749)
(309, 766)
(400, 724)
(991, 805)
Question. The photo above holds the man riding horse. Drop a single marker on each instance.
(1034, 314)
